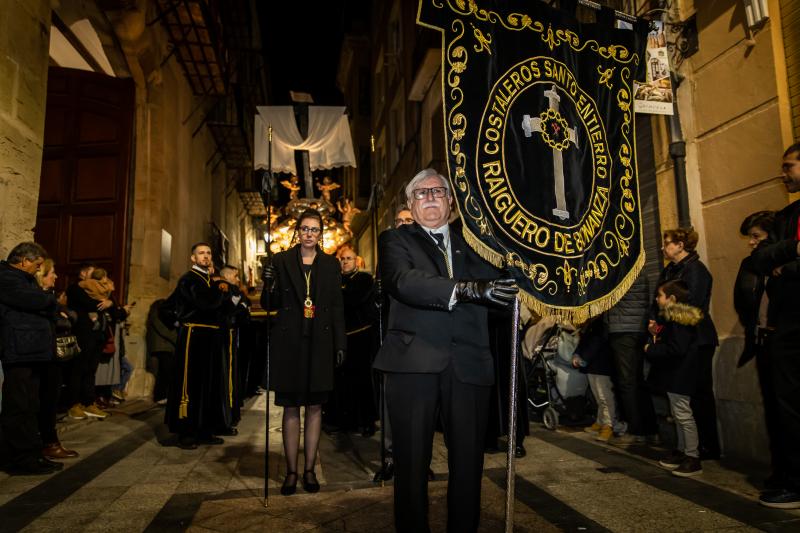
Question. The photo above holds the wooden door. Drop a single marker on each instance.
(84, 190)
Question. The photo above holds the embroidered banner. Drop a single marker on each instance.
(538, 118)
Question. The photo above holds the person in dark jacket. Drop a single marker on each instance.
(749, 289)
(27, 314)
(304, 285)
(781, 262)
(234, 314)
(679, 249)
(674, 353)
(353, 386)
(750, 301)
(626, 329)
(50, 377)
(593, 358)
(161, 339)
(80, 391)
(436, 354)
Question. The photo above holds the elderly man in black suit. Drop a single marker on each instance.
(436, 353)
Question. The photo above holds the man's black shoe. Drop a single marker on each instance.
(385, 473)
(775, 482)
(187, 443)
(519, 451)
(229, 432)
(709, 455)
(55, 465)
(780, 499)
(32, 467)
(211, 440)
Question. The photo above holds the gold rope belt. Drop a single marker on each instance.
(359, 330)
(183, 409)
(230, 367)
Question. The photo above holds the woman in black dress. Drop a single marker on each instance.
(304, 285)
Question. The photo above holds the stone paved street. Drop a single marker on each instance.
(129, 478)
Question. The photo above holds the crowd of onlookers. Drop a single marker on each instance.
(62, 352)
(661, 342)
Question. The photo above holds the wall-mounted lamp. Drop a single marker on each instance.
(757, 12)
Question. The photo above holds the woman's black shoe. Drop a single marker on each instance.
(287, 489)
(310, 483)
(519, 451)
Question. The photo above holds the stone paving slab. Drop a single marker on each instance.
(131, 477)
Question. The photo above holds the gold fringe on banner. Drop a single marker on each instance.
(574, 315)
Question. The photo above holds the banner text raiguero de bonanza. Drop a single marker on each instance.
(508, 212)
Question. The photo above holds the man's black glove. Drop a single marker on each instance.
(270, 275)
(487, 292)
(340, 356)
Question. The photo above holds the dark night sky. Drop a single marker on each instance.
(302, 41)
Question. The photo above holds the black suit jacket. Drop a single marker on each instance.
(423, 335)
(783, 290)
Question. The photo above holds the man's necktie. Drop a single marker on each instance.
(442, 248)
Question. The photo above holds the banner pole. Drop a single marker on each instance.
(512, 418)
(380, 475)
(267, 193)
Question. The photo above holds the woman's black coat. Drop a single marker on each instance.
(288, 371)
(692, 271)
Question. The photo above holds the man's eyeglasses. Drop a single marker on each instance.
(309, 229)
(437, 192)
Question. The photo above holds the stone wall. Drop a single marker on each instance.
(178, 187)
(24, 44)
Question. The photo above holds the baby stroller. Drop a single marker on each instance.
(557, 392)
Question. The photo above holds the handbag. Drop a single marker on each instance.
(109, 347)
(67, 347)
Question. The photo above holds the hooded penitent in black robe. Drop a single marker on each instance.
(198, 400)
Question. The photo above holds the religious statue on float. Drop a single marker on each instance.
(348, 210)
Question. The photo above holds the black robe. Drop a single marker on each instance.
(197, 403)
(353, 404)
(233, 318)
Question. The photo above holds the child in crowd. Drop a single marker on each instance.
(593, 358)
(99, 286)
(672, 351)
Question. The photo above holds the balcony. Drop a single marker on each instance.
(194, 28)
(229, 126)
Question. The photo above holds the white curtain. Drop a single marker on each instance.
(329, 143)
